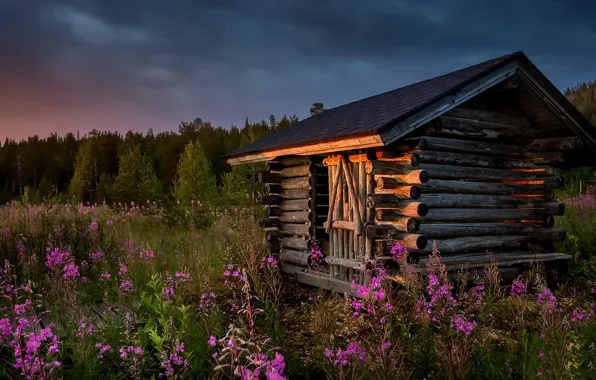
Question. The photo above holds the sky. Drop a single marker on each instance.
(78, 65)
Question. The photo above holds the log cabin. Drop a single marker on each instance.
(468, 161)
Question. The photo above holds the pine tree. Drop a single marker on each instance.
(136, 180)
(194, 179)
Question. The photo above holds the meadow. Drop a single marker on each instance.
(138, 291)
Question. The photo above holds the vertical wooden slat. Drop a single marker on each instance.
(339, 203)
(350, 234)
(331, 175)
(362, 192)
(357, 239)
(369, 242)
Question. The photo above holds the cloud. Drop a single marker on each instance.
(137, 64)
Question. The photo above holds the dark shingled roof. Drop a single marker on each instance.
(370, 115)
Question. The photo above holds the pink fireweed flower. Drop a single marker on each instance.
(183, 277)
(399, 253)
(548, 300)
(93, 226)
(461, 325)
(207, 302)
(95, 257)
(316, 257)
(86, 328)
(212, 341)
(5, 328)
(105, 277)
(478, 294)
(126, 286)
(123, 270)
(388, 306)
(71, 271)
(582, 315)
(103, 348)
(55, 258)
(518, 288)
(268, 263)
(147, 255)
(109, 224)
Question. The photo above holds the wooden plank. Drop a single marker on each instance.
(335, 173)
(484, 201)
(473, 215)
(503, 260)
(293, 160)
(389, 232)
(295, 171)
(352, 194)
(269, 177)
(296, 243)
(296, 205)
(294, 229)
(295, 183)
(468, 187)
(381, 168)
(414, 177)
(463, 244)
(463, 159)
(437, 171)
(269, 199)
(453, 230)
(362, 192)
(273, 235)
(295, 194)
(556, 143)
(293, 256)
(404, 224)
(402, 192)
(489, 117)
(390, 201)
(270, 222)
(314, 279)
(398, 159)
(295, 217)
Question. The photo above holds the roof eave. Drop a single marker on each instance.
(359, 142)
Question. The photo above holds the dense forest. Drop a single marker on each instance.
(108, 166)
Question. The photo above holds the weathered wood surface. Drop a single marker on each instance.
(464, 159)
(273, 234)
(473, 215)
(295, 217)
(504, 259)
(296, 243)
(402, 223)
(453, 230)
(489, 188)
(390, 201)
(389, 232)
(269, 177)
(270, 222)
(402, 192)
(415, 177)
(341, 224)
(475, 129)
(295, 183)
(353, 198)
(489, 117)
(463, 244)
(295, 171)
(556, 143)
(293, 256)
(270, 199)
(395, 181)
(438, 200)
(294, 229)
(390, 156)
(295, 194)
(437, 171)
(296, 205)
(333, 193)
(274, 247)
(384, 168)
(293, 160)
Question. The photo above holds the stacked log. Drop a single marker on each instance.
(290, 207)
(480, 181)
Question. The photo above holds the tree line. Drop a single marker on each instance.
(184, 165)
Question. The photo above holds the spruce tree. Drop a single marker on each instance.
(136, 180)
(194, 179)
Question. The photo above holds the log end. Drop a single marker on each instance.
(415, 159)
(561, 209)
(412, 225)
(415, 192)
(422, 209)
(421, 242)
(424, 176)
(561, 182)
(549, 221)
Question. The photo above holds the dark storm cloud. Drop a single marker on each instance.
(140, 64)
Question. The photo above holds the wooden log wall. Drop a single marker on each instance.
(472, 181)
(291, 209)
